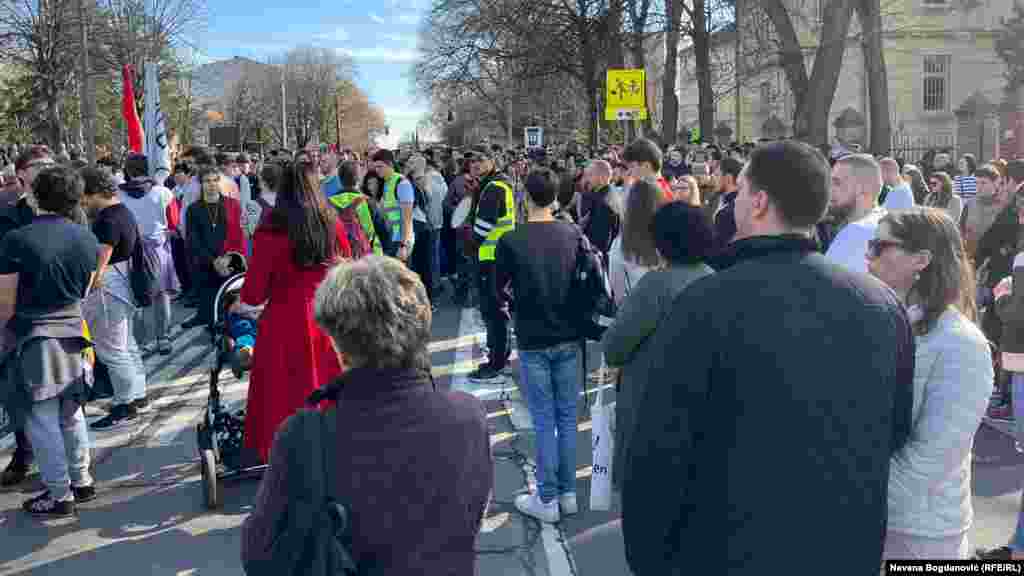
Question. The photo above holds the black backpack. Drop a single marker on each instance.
(590, 292)
(144, 275)
(312, 538)
(144, 272)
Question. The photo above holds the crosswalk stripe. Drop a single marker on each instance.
(457, 343)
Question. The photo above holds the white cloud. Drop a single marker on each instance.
(409, 18)
(408, 40)
(339, 34)
(405, 112)
(376, 18)
(377, 54)
(263, 50)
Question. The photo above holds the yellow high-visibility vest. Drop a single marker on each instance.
(506, 222)
(389, 204)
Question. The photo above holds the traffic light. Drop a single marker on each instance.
(451, 117)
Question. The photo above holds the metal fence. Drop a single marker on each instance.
(912, 149)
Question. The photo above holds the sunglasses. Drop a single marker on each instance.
(877, 246)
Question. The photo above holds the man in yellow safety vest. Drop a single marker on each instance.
(396, 203)
(494, 215)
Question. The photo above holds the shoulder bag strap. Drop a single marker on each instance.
(341, 557)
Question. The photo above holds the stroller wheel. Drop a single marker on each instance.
(211, 488)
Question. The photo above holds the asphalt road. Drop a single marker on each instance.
(149, 518)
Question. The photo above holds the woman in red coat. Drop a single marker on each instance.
(292, 252)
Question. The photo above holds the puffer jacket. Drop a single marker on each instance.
(930, 477)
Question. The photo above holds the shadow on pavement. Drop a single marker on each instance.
(165, 529)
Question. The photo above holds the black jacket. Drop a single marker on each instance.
(603, 221)
(998, 245)
(779, 389)
(14, 216)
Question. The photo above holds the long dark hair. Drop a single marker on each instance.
(300, 210)
(945, 195)
(949, 278)
(637, 239)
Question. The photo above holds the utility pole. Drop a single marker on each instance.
(88, 98)
(337, 118)
(284, 114)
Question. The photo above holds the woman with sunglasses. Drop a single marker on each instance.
(920, 255)
(941, 195)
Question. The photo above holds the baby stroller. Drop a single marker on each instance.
(220, 433)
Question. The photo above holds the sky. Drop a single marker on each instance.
(379, 35)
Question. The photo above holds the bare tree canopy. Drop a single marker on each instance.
(39, 38)
(313, 80)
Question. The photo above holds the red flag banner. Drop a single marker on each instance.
(128, 110)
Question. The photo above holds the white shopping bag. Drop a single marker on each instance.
(602, 425)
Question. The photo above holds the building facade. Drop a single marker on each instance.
(946, 84)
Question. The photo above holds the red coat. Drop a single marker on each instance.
(234, 241)
(292, 356)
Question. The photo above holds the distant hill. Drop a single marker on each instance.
(213, 82)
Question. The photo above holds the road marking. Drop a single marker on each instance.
(551, 536)
(457, 343)
(463, 366)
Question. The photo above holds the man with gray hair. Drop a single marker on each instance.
(853, 206)
(899, 196)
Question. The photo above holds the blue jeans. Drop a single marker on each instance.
(550, 380)
(1017, 392)
(110, 317)
(60, 438)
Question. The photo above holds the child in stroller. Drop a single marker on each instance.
(241, 334)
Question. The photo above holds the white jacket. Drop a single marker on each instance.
(930, 478)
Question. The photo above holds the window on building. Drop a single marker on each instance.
(936, 83)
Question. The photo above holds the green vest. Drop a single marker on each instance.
(392, 211)
(506, 222)
(342, 201)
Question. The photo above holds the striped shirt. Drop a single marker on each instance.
(965, 186)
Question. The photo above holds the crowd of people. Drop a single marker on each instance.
(791, 333)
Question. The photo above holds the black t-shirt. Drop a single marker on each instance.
(115, 226)
(537, 260)
(54, 260)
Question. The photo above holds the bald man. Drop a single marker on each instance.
(897, 194)
(603, 218)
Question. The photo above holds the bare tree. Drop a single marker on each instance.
(670, 106)
(813, 94)
(310, 77)
(869, 13)
(489, 49)
(40, 37)
(137, 31)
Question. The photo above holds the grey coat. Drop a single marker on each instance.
(625, 345)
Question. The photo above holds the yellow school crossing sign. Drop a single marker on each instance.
(625, 95)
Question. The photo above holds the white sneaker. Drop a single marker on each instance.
(567, 502)
(531, 505)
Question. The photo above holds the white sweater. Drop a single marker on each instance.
(930, 478)
(622, 273)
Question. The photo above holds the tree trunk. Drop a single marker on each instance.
(55, 131)
(669, 105)
(870, 15)
(616, 50)
(638, 25)
(813, 96)
(702, 61)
